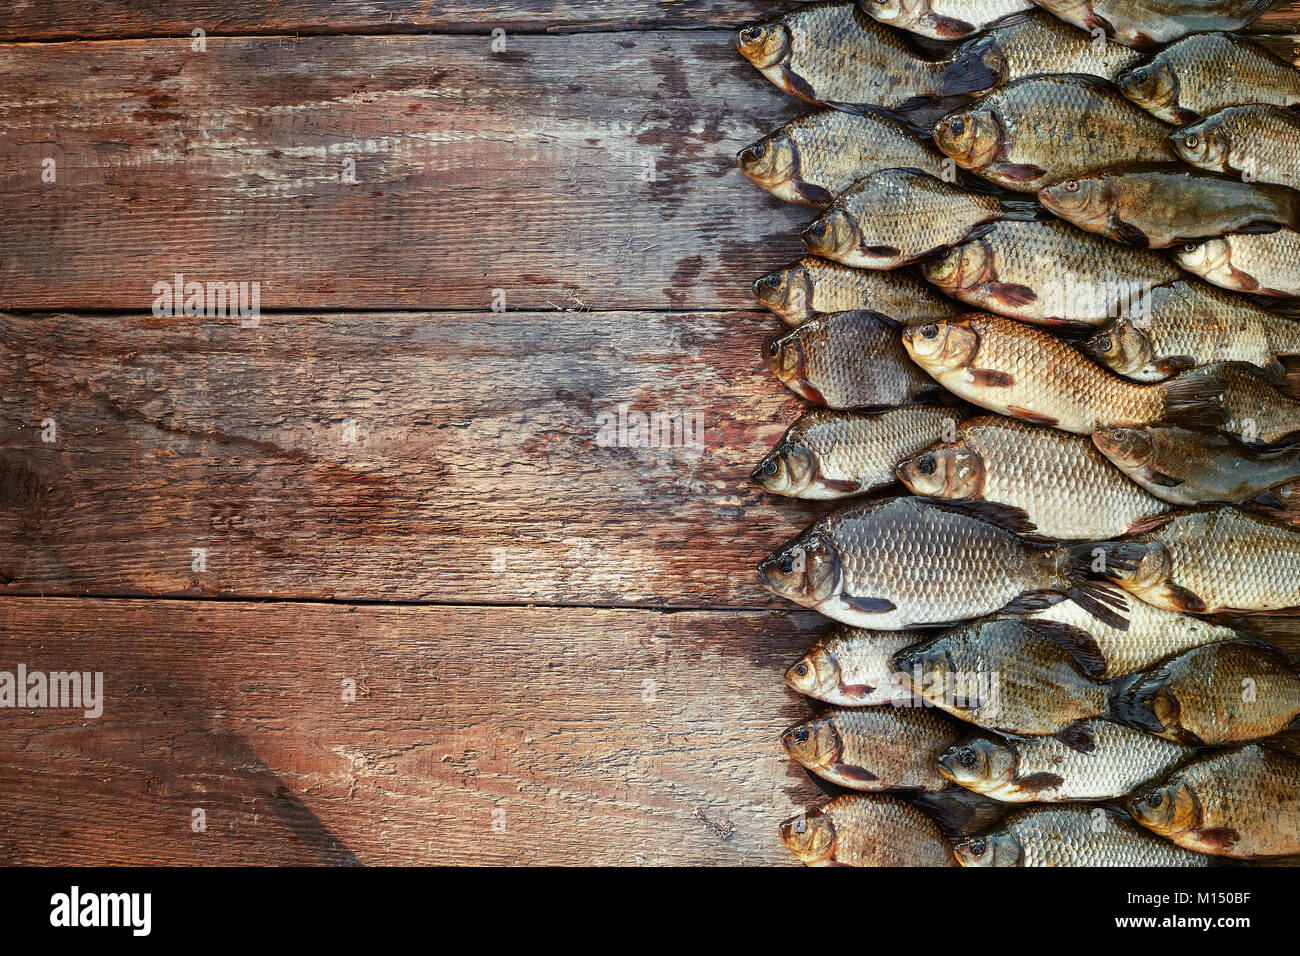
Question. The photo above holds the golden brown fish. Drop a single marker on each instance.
(1021, 371)
(1043, 129)
(812, 159)
(1257, 142)
(1059, 485)
(895, 217)
(1203, 74)
(1146, 23)
(1092, 280)
(827, 455)
(834, 54)
(1071, 836)
(846, 360)
(1222, 693)
(850, 667)
(1210, 561)
(1102, 760)
(811, 286)
(1186, 324)
(942, 19)
(1243, 802)
(874, 748)
(866, 829)
(910, 562)
(1191, 468)
(1164, 206)
(1259, 409)
(1265, 264)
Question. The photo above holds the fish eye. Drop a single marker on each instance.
(1190, 247)
(1104, 344)
(801, 669)
(1191, 142)
(769, 468)
(958, 126)
(1154, 799)
(772, 281)
(750, 34)
(1072, 186)
(930, 331)
(1139, 76)
(1117, 434)
(773, 348)
(966, 757)
(926, 465)
(800, 735)
(978, 846)
(787, 564)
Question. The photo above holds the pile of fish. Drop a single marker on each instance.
(1036, 297)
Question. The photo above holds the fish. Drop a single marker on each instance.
(827, 455)
(1072, 836)
(1058, 484)
(909, 562)
(1263, 264)
(1091, 283)
(1257, 140)
(1010, 674)
(1222, 693)
(812, 159)
(811, 286)
(866, 829)
(942, 19)
(1192, 468)
(850, 667)
(1243, 802)
(1186, 324)
(1259, 409)
(1203, 74)
(1023, 372)
(1208, 561)
(1104, 760)
(1153, 633)
(833, 54)
(1165, 206)
(897, 216)
(846, 360)
(1036, 43)
(1043, 129)
(874, 748)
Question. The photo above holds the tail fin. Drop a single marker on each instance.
(967, 73)
(879, 112)
(1023, 210)
(963, 812)
(1125, 702)
(1102, 599)
(1196, 398)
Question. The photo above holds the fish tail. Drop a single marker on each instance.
(1123, 704)
(965, 74)
(1089, 565)
(963, 812)
(1022, 210)
(1195, 399)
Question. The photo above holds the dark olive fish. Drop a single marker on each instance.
(1164, 206)
(813, 286)
(812, 159)
(847, 360)
(850, 667)
(874, 748)
(1187, 467)
(1221, 693)
(834, 54)
(827, 455)
(1256, 141)
(909, 562)
(1259, 409)
(1243, 802)
(1147, 23)
(1205, 73)
(942, 19)
(866, 829)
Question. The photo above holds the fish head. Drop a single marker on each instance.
(1084, 202)
(979, 764)
(1205, 144)
(942, 346)
(1202, 257)
(809, 836)
(787, 356)
(788, 292)
(806, 570)
(949, 470)
(1152, 86)
(788, 469)
(897, 13)
(814, 743)
(817, 674)
(1127, 448)
(771, 161)
(993, 849)
(1167, 808)
(832, 235)
(1123, 348)
(973, 138)
(960, 268)
(764, 44)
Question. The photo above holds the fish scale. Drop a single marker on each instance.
(1259, 139)
(1259, 410)
(1144, 23)
(1267, 264)
(1038, 43)
(1073, 836)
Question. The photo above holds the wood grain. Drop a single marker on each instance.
(65, 19)
(546, 714)
(544, 172)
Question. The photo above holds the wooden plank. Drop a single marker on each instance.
(604, 737)
(474, 172)
(64, 19)
(423, 457)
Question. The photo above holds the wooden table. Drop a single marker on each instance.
(364, 580)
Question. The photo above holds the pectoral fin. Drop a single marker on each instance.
(869, 605)
(1027, 415)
